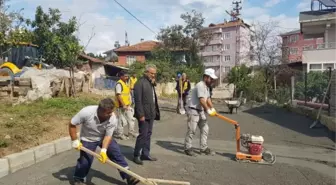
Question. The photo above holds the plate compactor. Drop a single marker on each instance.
(256, 153)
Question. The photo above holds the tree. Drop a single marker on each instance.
(59, 46)
(317, 83)
(239, 75)
(267, 50)
(187, 38)
(12, 27)
(116, 44)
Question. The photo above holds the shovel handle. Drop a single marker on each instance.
(143, 180)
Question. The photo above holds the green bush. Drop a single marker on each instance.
(166, 71)
(317, 83)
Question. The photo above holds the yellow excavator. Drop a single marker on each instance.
(21, 55)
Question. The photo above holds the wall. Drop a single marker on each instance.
(167, 89)
(333, 95)
(122, 57)
(300, 44)
(244, 48)
(97, 71)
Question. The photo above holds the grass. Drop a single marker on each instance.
(27, 125)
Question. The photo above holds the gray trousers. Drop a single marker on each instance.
(125, 118)
(197, 120)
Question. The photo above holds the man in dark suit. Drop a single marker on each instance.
(146, 111)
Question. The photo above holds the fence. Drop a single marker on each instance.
(310, 88)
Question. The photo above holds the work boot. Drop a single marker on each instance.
(132, 181)
(137, 160)
(190, 152)
(207, 151)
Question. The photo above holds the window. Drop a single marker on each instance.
(208, 48)
(227, 58)
(215, 48)
(294, 38)
(226, 47)
(227, 35)
(215, 58)
(227, 69)
(327, 65)
(130, 59)
(293, 51)
(315, 66)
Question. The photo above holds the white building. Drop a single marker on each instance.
(316, 24)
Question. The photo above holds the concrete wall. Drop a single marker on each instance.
(328, 121)
(333, 95)
(226, 91)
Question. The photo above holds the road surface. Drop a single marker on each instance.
(304, 156)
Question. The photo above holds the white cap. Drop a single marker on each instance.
(210, 72)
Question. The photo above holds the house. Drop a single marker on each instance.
(315, 24)
(98, 68)
(141, 52)
(127, 55)
(293, 44)
(228, 46)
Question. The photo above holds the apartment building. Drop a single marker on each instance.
(228, 46)
(315, 24)
(293, 44)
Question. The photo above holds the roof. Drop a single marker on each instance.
(291, 32)
(92, 59)
(228, 24)
(144, 46)
(307, 16)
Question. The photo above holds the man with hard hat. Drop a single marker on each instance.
(198, 104)
(124, 111)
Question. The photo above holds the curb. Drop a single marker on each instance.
(14, 162)
(327, 121)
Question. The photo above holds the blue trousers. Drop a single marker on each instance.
(85, 160)
(143, 141)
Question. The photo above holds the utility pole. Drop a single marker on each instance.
(126, 39)
(234, 14)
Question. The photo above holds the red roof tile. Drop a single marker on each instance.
(228, 24)
(144, 46)
(92, 59)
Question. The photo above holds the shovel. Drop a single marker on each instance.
(146, 181)
(182, 111)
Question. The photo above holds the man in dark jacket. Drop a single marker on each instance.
(146, 111)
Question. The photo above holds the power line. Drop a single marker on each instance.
(135, 17)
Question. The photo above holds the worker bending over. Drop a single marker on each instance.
(97, 126)
(182, 88)
(125, 112)
(198, 103)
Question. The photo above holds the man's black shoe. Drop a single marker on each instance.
(148, 158)
(138, 161)
(132, 181)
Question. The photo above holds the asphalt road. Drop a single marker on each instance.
(304, 156)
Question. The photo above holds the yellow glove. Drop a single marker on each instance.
(76, 144)
(103, 155)
(212, 112)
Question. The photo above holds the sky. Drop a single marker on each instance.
(109, 22)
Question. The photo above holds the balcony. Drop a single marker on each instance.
(211, 64)
(321, 53)
(314, 23)
(212, 42)
(210, 53)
